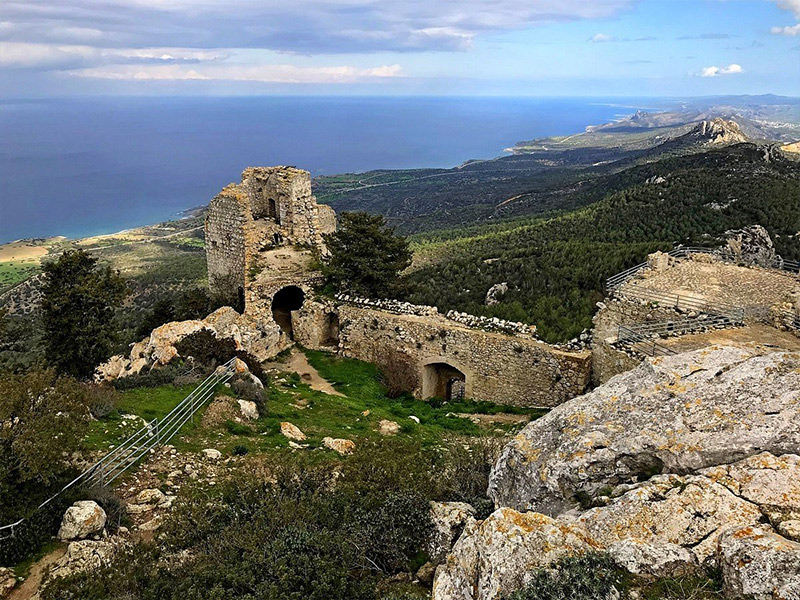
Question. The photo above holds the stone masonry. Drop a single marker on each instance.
(270, 208)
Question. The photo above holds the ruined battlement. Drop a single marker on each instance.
(271, 207)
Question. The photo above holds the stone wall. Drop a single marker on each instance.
(496, 367)
(608, 360)
(272, 207)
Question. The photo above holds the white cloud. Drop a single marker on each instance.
(731, 69)
(261, 73)
(790, 5)
(792, 30)
(600, 37)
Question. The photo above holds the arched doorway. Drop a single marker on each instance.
(284, 302)
(442, 380)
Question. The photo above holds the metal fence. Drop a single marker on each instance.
(145, 440)
(615, 282)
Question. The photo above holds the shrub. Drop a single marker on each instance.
(172, 373)
(206, 349)
(398, 373)
(464, 474)
(116, 514)
(590, 576)
(100, 399)
(240, 450)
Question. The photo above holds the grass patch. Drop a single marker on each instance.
(13, 272)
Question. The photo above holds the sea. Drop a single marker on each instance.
(85, 166)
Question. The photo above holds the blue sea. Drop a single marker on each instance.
(79, 167)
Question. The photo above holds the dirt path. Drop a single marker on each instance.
(298, 363)
(29, 588)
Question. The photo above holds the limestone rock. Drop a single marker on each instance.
(492, 558)
(8, 581)
(689, 511)
(659, 559)
(82, 556)
(292, 432)
(751, 245)
(677, 414)
(151, 496)
(756, 563)
(152, 524)
(495, 292)
(449, 520)
(790, 529)
(249, 410)
(386, 427)
(426, 573)
(339, 445)
(773, 483)
(212, 453)
(81, 520)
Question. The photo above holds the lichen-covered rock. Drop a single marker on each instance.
(492, 558)
(8, 581)
(751, 245)
(212, 453)
(339, 445)
(85, 555)
(688, 511)
(248, 409)
(495, 292)
(291, 431)
(758, 564)
(449, 520)
(387, 427)
(81, 520)
(677, 414)
(151, 496)
(659, 559)
(771, 482)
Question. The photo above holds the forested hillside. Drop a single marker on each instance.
(556, 266)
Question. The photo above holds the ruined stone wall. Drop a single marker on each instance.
(272, 207)
(227, 250)
(499, 368)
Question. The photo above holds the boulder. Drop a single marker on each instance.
(495, 292)
(790, 529)
(449, 520)
(82, 520)
(292, 432)
(8, 581)
(85, 555)
(678, 414)
(248, 409)
(492, 558)
(758, 564)
(212, 453)
(387, 427)
(658, 559)
(339, 445)
(751, 245)
(151, 496)
(690, 511)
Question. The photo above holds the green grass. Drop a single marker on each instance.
(12, 272)
(316, 413)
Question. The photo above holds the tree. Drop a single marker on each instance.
(44, 417)
(78, 302)
(365, 255)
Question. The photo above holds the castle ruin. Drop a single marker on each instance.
(262, 237)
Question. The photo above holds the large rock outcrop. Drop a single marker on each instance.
(82, 520)
(677, 414)
(259, 338)
(751, 246)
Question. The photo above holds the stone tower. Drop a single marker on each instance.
(271, 207)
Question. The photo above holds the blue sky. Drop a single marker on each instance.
(472, 47)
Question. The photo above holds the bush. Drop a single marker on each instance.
(398, 373)
(307, 530)
(206, 349)
(587, 577)
(240, 450)
(100, 399)
(173, 373)
(108, 500)
(464, 474)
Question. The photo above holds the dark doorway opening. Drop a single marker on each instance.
(272, 210)
(440, 380)
(239, 300)
(331, 331)
(284, 302)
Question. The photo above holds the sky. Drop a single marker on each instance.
(55, 48)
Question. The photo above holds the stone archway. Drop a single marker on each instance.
(286, 300)
(443, 380)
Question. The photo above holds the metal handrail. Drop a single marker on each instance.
(616, 281)
(135, 446)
